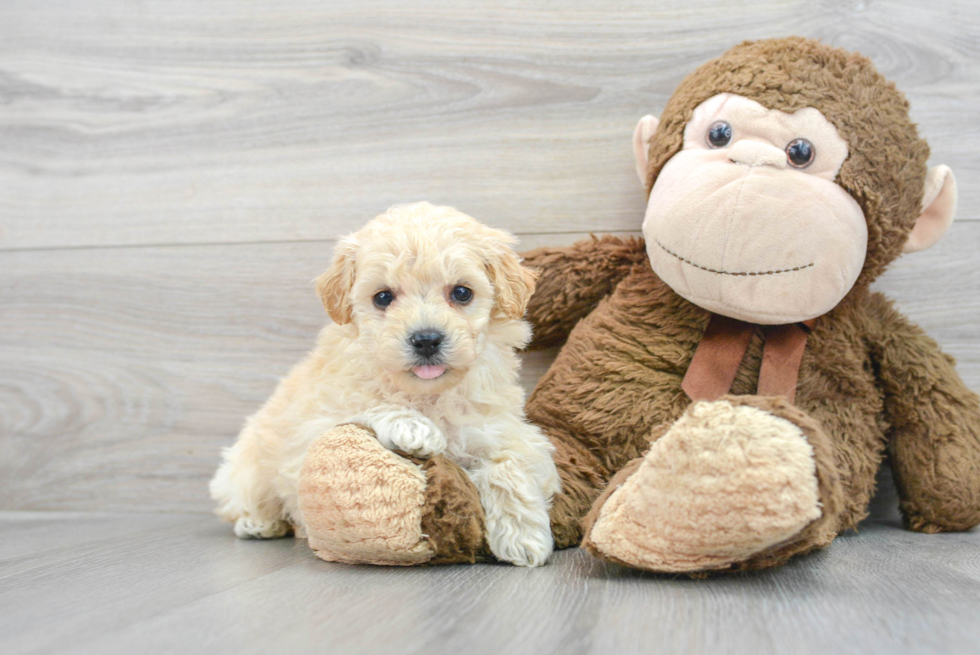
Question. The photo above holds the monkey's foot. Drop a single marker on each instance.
(364, 504)
(742, 482)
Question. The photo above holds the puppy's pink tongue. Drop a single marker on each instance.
(429, 372)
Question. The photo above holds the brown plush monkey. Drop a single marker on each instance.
(784, 177)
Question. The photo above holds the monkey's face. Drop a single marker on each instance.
(747, 221)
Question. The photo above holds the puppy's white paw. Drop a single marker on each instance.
(412, 434)
(250, 528)
(522, 543)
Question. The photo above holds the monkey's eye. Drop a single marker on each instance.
(383, 298)
(719, 134)
(461, 294)
(800, 153)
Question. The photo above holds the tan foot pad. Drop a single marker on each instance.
(362, 503)
(725, 482)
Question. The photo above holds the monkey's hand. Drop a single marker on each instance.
(573, 281)
(935, 425)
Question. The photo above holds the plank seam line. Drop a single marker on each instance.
(205, 244)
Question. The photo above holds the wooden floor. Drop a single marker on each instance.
(173, 173)
(97, 583)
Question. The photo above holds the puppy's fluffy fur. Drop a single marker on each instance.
(365, 370)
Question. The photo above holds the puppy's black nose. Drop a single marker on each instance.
(426, 344)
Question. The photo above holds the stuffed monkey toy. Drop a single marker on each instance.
(728, 385)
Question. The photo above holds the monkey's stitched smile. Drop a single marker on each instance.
(712, 270)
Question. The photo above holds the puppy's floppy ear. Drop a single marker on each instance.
(336, 284)
(513, 284)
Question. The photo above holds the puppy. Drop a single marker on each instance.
(426, 305)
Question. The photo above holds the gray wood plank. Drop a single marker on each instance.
(183, 121)
(28, 537)
(141, 567)
(123, 371)
(191, 587)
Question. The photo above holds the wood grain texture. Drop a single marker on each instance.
(183, 121)
(123, 371)
(159, 583)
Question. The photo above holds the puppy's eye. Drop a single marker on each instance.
(461, 294)
(383, 298)
(800, 153)
(719, 134)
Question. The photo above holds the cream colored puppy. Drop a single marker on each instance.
(427, 306)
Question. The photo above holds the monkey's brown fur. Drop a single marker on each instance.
(452, 518)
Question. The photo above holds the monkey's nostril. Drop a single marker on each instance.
(426, 344)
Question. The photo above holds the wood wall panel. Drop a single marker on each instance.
(182, 121)
(123, 371)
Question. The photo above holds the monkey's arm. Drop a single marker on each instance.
(934, 425)
(573, 281)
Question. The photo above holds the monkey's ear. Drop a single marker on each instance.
(644, 131)
(938, 209)
(335, 285)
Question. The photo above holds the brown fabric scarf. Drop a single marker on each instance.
(723, 347)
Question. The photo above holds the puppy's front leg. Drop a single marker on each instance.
(400, 428)
(516, 486)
